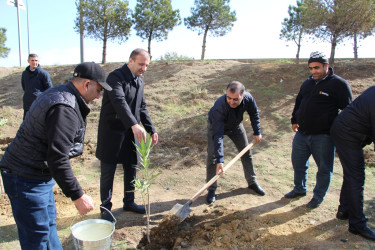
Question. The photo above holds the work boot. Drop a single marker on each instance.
(211, 197)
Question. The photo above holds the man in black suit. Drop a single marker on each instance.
(122, 110)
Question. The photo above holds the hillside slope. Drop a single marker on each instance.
(179, 95)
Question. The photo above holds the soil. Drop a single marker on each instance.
(179, 95)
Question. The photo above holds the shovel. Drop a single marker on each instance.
(183, 211)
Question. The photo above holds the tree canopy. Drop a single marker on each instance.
(292, 27)
(104, 20)
(333, 20)
(210, 15)
(3, 50)
(153, 19)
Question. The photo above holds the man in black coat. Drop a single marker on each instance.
(353, 129)
(122, 110)
(34, 81)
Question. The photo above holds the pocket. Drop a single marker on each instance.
(10, 184)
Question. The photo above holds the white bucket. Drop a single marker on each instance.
(93, 234)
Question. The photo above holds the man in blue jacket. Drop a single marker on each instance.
(353, 129)
(225, 118)
(34, 81)
(318, 102)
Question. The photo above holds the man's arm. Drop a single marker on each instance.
(118, 100)
(62, 124)
(47, 83)
(252, 110)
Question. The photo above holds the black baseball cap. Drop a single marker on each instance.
(91, 71)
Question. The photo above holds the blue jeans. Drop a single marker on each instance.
(322, 149)
(33, 207)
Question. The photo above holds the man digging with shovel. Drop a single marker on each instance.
(225, 118)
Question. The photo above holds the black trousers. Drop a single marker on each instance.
(107, 175)
(351, 196)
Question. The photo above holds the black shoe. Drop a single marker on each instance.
(342, 215)
(257, 189)
(314, 203)
(105, 215)
(134, 208)
(211, 197)
(292, 194)
(365, 232)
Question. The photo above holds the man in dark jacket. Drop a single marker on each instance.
(34, 81)
(351, 131)
(318, 102)
(225, 118)
(122, 110)
(51, 134)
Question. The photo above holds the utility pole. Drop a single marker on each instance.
(28, 33)
(81, 31)
(19, 32)
(19, 4)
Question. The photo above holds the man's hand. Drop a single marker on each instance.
(220, 169)
(84, 204)
(295, 127)
(154, 138)
(139, 132)
(257, 138)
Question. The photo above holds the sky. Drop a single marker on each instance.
(254, 35)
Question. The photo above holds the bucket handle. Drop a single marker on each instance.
(94, 206)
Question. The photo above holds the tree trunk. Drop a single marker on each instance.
(333, 48)
(149, 44)
(104, 50)
(104, 45)
(355, 46)
(204, 43)
(299, 46)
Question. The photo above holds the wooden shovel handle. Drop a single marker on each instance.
(210, 182)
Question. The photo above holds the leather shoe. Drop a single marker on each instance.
(134, 208)
(314, 203)
(365, 232)
(342, 215)
(257, 189)
(211, 197)
(107, 216)
(292, 194)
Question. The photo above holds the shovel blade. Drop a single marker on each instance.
(181, 211)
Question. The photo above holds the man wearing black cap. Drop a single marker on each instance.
(318, 102)
(123, 109)
(52, 133)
